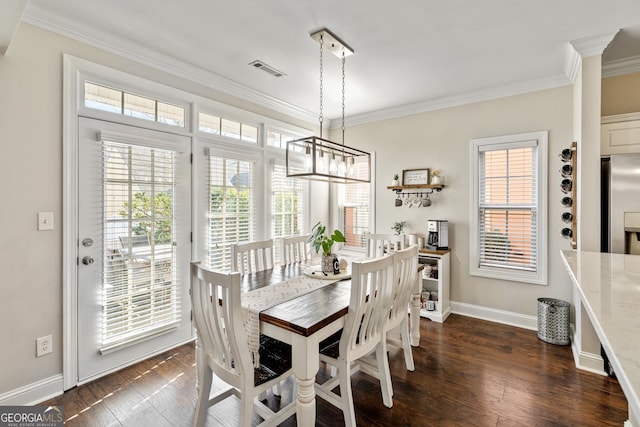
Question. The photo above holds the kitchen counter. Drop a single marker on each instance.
(609, 289)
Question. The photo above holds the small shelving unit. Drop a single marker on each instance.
(435, 280)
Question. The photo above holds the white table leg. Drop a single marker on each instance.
(414, 311)
(305, 367)
(199, 362)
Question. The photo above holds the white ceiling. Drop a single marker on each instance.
(409, 54)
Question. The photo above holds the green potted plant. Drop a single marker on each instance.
(321, 241)
(399, 226)
(395, 181)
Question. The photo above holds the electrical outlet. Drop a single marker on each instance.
(43, 346)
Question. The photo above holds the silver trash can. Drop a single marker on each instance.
(553, 321)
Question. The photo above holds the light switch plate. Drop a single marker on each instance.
(45, 221)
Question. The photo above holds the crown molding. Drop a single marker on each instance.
(572, 63)
(620, 67)
(487, 94)
(112, 43)
(617, 118)
(594, 45)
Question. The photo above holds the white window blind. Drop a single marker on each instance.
(231, 208)
(508, 232)
(355, 212)
(288, 204)
(141, 289)
(508, 208)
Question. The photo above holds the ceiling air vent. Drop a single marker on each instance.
(267, 68)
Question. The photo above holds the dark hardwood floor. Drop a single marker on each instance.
(469, 372)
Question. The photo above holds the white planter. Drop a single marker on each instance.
(395, 183)
(327, 264)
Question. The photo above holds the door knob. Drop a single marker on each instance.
(88, 260)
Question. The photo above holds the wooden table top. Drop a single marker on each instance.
(310, 312)
(278, 274)
(307, 313)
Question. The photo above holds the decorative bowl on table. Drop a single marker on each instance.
(315, 271)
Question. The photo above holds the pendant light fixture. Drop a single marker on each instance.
(320, 159)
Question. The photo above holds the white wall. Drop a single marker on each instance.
(440, 140)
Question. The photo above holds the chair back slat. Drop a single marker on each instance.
(369, 305)
(252, 257)
(406, 275)
(215, 298)
(379, 244)
(294, 249)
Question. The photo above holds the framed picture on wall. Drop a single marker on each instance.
(415, 176)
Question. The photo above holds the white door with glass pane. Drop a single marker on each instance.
(134, 245)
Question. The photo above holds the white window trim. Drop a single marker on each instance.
(508, 141)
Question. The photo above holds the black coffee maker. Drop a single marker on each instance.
(437, 234)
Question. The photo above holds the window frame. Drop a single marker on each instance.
(338, 201)
(540, 138)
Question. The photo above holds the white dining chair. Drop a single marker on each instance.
(295, 249)
(406, 275)
(379, 244)
(363, 334)
(251, 257)
(217, 316)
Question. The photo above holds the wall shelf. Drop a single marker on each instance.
(401, 188)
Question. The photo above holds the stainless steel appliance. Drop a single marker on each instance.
(437, 234)
(624, 203)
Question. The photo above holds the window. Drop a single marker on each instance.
(231, 214)
(288, 202)
(356, 216)
(279, 140)
(141, 291)
(116, 101)
(230, 128)
(508, 223)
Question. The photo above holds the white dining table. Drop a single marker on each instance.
(303, 322)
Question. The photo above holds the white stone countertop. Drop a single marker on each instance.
(609, 285)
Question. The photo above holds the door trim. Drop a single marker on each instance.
(75, 71)
(69, 222)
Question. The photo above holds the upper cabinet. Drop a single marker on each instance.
(620, 134)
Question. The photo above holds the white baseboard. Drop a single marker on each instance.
(494, 315)
(585, 361)
(33, 393)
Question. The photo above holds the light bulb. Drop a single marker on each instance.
(321, 161)
(342, 167)
(307, 158)
(351, 168)
(333, 167)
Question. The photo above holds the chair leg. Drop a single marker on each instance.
(203, 396)
(346, 395)
(406, 345)
(246, 408)
(384, 374)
